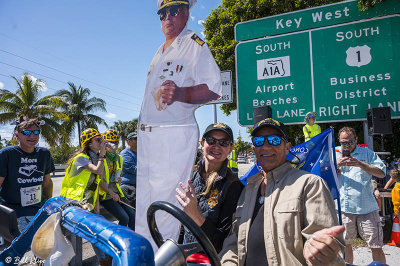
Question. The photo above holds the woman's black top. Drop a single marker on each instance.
(218, 206)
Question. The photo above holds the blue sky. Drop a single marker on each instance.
(105, 46)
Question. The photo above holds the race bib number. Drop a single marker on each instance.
(31, 195)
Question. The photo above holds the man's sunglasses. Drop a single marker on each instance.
(273, 140)
(173, 11)
(98, 139)
(347, 143)
(222, 142)
(29, 132)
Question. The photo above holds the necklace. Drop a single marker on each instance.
(262, 192)
(261, 200)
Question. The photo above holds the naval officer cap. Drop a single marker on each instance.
(166, 3)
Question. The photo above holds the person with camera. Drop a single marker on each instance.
(356, 166)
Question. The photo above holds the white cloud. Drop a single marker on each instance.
(200, 22)
(41, 83)
(111, 115)
(192, 18)
(1, 85)
(202, 34)
(6, 132)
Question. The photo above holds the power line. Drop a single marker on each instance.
(74, 76)
(118, 106)
(62, 81)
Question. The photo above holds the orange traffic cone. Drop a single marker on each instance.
(395, 238)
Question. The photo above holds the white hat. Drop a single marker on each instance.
(164, 3)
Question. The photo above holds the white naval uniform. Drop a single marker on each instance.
(167, 139)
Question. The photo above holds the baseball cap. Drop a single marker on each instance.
(221, 127)
(132, 135)
(269, 122)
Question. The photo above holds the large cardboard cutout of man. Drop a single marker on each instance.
(182, 76)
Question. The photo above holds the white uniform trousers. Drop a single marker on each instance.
(166, 155)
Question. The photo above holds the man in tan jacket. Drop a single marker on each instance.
(288, 215)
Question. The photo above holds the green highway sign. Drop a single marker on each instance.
(311, 18)
(338, 71)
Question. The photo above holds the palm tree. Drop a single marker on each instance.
(79, 107)
(124, 128)
(26, 101)
(120, 127)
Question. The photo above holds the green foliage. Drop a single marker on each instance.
(120, 149)
(366, 4)
(124, 128)
(242, 146)
(79, 107)
(62, 153)
(5, 143)
(219, 27)
(26, 101)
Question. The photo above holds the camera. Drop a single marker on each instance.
(346, 153)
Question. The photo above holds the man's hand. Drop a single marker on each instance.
(168, 93)
(322, 248)
(349, 161)
(188, 199)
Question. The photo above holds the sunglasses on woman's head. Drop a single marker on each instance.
(29, 132)
(273, 140)
(173, 11)
(221, 142)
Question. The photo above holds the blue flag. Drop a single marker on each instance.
(316, 156)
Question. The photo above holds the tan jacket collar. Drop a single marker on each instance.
(275, 174)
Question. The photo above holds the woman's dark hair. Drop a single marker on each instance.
(84, 149)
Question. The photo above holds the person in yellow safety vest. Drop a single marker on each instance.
(111, 196)
(310, 129)
(82, 178)
(232, 163)
(81, 181)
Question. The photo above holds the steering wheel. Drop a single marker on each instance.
(203, 244)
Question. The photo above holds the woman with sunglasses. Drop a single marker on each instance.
(213, 191)
(81, 180)
(25, 182)
(111, 196)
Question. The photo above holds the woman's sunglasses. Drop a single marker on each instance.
(29, 132)
(273, 140)
(221, 142)
(173, 11)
